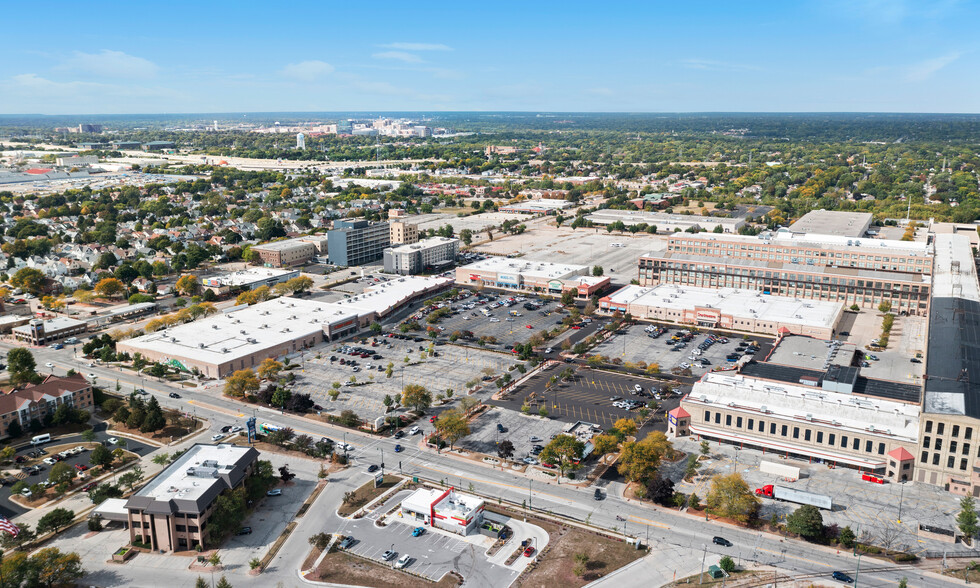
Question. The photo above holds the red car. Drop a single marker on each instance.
(530, 327)
(88, 487)
(576, 327)
(81, 467)
(550, 466)
(432, 419)
(529, 551)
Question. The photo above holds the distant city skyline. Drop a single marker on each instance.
(807, 56)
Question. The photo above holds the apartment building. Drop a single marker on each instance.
(291, 251)
(353, 243)
(37, 401)
(432, 254)
(864, 272)
(403, 233)
(172, 512)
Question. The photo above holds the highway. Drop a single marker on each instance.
(656, 526)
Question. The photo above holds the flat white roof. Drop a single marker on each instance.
(247, 276)
(226, 337)
(731, 301)
(177, 481)
(634, 217)
(421, 500)
(525, 267)
(786, 237)
(544, 204)
(807, 404)
(947, 280)
(288, 243)
(423, 244)
(833, 222)
(53, 325)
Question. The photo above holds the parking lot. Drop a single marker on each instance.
(588, 397)
(9, 508)
(518, 428)
(635, 345)
(433, 554)
(452, 369)
(507, 325)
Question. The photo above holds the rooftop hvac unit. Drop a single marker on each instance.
(173, 339)
(201, 345)
(224, 350)
(242, 331)
(215, 327)
(809, 417)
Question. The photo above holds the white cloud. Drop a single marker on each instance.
(110, 64)
(398, 56)
(307, 71)
(710, 64)
(923, 70)
(417, 46)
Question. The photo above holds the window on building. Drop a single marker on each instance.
(952, 446)
(867, 446)
(728, 420)
(751, 424)
(784, 430)
(940, 427)
(935, 459)
(762, 426)
(796, 432)
(717, 418)
(707, 416)
(963, 464)
(956, 430)
(856, 445)
(939, 444)
(928, 426)
(926, 441)
(738, 422)
(831, 438)
(843, 441)
(924, 457)
(806, 435)
(966, 449)
(819, 436)
(772, 428)
(968, 433)
(949, 461)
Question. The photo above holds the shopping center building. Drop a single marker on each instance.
(540, 277)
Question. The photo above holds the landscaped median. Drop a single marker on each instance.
(355, 500)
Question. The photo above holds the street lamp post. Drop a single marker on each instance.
(704, 554)
(857, 571)
(901, 495)
(382, 451)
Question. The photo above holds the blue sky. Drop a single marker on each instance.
(689, 55)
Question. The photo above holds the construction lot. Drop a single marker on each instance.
(593, 246)
(635, 345)
(451, 369)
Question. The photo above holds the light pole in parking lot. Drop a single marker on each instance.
(382, 460)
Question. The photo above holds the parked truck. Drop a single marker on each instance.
(793, 495)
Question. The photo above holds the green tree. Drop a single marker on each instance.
(103, 491)
(132, 477)
(320, 540)
(966, 520)
(188, 285)
(54, 568)
(61, 473)
(223, 583)
(597, 270)
(55, 520)
(269, 369)
(846, 537)
(417, 397)
(727, 563)
(29, 279)
(564, 451)
(101, 456)
(730, 497)
(452, 426)
(154, 419)
(806, 521)
(21, 365)
(88, 435)
(201, 583)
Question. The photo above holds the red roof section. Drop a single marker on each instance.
(38, 170)
(900, 454)
(679, 413)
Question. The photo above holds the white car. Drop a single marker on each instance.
(548, 350)
(403, 561)
(79, 449)
(91, 376)
(217, 436)
(112, 440)
(414, 430)
(530, 461)
(50, 460)
(49, 365)
(496, 320)
(236, 429)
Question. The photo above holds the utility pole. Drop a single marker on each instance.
(704, 554)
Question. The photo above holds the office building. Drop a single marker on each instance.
(43, 332)
(834, 417)
(248, 279)
(403, 233)
(727, 308)
(159, 146)
(357, 242)
(172, 512)
(428, 255)
(126, 145)
(443, 509)
(36, 401)
(541, 277)
(949, 443)
(864, 272)
(833, 222)
(289, 252)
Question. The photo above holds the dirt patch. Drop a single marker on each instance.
(557, 567)
(311, 558)
(366, 494)
(342, 568)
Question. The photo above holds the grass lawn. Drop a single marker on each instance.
(366, 494)
(340, 568)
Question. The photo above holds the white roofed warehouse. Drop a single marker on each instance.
(241, 338)
(727, 308)
(542, 277)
